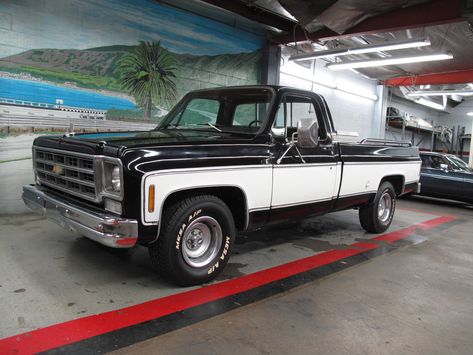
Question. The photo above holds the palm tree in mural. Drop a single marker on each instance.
(148, 73)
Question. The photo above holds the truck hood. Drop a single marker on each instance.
(112, 143)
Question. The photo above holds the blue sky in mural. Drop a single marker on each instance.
(82, 24)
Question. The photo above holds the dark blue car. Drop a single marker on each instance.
(446, 176)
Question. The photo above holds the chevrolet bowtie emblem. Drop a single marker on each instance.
(58, 170)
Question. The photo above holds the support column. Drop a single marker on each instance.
(270, 65)
(378, 128)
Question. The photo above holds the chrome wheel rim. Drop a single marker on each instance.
(202, 241)
(385, 206)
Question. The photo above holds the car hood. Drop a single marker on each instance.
(112, 143)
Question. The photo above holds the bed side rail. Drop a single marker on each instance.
(388, 142)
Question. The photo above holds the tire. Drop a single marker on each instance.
(377, 216)
(195, 242)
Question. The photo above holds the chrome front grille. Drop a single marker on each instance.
(69, 172)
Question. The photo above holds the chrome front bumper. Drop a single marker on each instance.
(106, 229)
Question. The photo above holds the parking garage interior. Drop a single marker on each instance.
(398, 71)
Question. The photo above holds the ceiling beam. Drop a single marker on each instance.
(255, 14)
(432, 13)
(453, 77)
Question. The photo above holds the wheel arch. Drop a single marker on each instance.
(233, 196)
(397, 181)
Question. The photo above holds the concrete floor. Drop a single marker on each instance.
(417, 300)
(413, 300)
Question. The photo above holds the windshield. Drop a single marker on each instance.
(242, 110)
(458, 163)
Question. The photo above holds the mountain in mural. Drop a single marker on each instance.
(97, 68)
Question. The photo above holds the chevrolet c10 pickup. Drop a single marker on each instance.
(222, 161)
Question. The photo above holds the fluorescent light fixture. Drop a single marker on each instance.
(355, 91)
(390, 46)
(340, 86)
(470, 113)
(389, 61)
(441, 93)
(430, 104)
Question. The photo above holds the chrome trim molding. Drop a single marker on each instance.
(359, 194)
(305, 165)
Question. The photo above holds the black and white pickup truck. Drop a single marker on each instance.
(222, 161)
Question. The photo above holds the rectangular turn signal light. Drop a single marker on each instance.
(151, 198)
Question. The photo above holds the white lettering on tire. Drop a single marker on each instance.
(179, 235)
(222, 257)
(193, 215)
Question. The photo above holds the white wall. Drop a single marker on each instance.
(350, 112)
(421, 139)
(458, 116)
(414, 108)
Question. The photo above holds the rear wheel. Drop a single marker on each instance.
(377, 216)
(195, 240)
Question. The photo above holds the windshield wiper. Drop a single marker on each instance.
(206, 124)
(170, 125)
(214, 127)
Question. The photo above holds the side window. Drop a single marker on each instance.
(279, 121)
(300, 110)
(291, 111)
(447, 162)
(435, 162)
(200, 111)
(425, 161)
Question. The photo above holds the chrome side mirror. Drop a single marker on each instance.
(307, 133)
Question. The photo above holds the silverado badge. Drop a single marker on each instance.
(58, 170)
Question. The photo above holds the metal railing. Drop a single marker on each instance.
(39, 122)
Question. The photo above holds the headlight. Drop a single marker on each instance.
(112, 178)
(116, 182)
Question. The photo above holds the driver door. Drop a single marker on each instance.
(303, 184)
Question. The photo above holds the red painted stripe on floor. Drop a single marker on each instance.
(76, 330)
(405, 232)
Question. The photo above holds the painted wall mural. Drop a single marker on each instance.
(127, 58)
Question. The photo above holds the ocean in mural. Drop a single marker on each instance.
(73, 51)
(44, 93)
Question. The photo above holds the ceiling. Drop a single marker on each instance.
(307, 26)
(455, 38)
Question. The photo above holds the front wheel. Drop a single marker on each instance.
(195, 240)
(377, 216)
